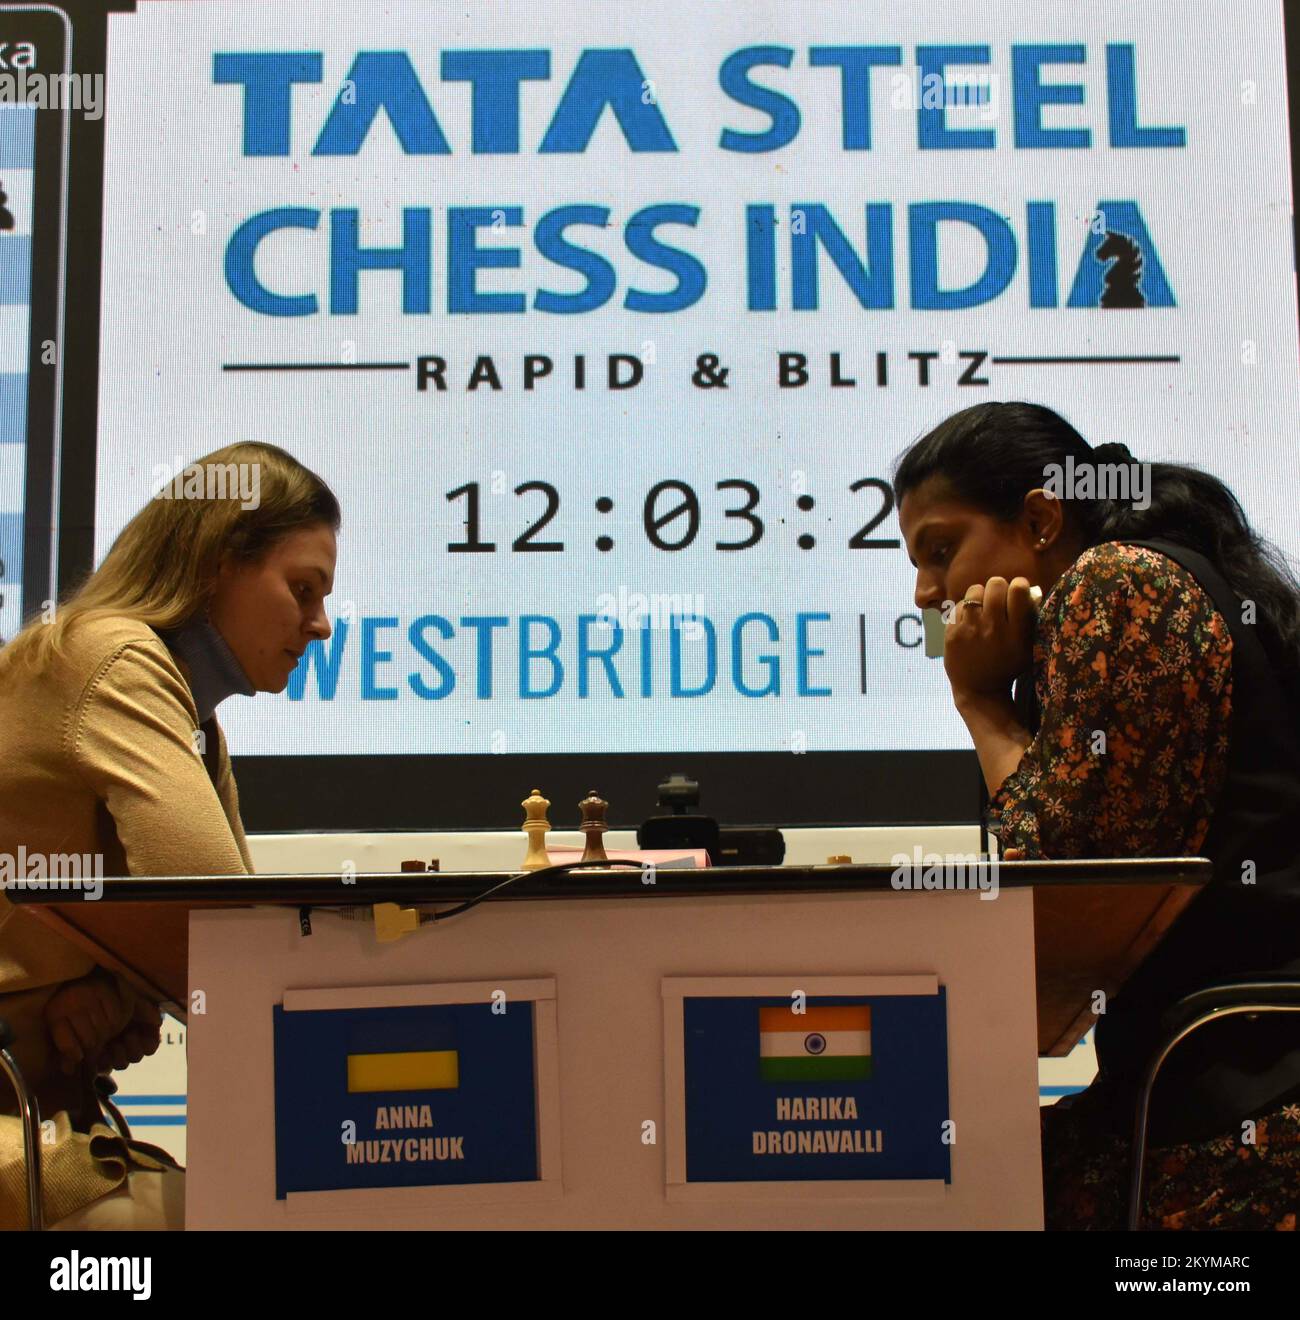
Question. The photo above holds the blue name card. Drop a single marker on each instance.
(421, 1095)
(849, 1088)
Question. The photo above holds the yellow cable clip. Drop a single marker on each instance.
(392, 922)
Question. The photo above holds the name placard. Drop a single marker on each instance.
(406, 1094)
(787, 1083)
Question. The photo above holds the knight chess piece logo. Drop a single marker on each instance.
(6, 215)
(1121, 286)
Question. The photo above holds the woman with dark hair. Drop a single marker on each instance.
(110, 747)
(1151, 709)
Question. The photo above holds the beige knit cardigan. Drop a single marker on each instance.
(98, 755)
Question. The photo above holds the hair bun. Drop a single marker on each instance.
(1113, 451)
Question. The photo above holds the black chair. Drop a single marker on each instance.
(29, 1111)
(1230, 999)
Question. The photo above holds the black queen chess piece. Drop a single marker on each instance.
(593, 808)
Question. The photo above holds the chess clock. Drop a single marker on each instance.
(35, 94)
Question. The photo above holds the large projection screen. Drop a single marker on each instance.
(606, 323)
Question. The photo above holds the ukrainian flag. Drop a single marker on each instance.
(395, 1055)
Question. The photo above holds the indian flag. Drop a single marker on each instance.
(819, 1045)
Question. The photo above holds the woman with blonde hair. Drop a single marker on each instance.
(109, 746)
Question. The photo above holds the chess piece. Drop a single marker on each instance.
(6, 215)
(593, 825)
(535, 826)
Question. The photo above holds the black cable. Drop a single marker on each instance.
(560, 868)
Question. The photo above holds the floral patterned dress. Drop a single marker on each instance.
(1134, 682)
(1133, 676)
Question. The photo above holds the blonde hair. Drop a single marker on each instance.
(162, 569)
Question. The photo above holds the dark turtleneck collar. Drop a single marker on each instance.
(214, 673)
